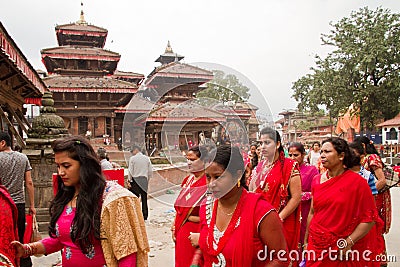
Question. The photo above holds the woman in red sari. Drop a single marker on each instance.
(373, 163)
(238, 228)
(307, 173)
(278, 179)
(8, 228)
(187, 206)
(342, 212)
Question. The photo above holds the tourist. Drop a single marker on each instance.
(314, 153)
(342, 212)
(15, 172)
(140, 172)
(94, 222)
(373, 163)
(278, 179)
(187, 206)
(236, 225)
(104, 163)
(307, 173)
(357, 149)
(8, 228)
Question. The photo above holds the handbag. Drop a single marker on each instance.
(36, 236)
(392, 178)
(32, 233)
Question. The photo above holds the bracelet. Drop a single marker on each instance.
(351, 240)
(173, 228)
(27, 250)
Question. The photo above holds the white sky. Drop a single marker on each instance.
(271, 42)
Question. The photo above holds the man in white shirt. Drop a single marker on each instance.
(105, 164)
(140, 172)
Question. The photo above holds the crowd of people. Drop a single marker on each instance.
(324, 207)
(269, 206)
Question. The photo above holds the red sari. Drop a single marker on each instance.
(187, 204)
(239, 244)
(383, 203)
(8, 227)
(340, 205)
(273, 183)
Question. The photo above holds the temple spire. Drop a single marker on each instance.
(82, 17)
(168, 49)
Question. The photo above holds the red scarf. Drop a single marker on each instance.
(8, 225)
(189, 199)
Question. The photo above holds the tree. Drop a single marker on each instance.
(362, 69)
(225, 88)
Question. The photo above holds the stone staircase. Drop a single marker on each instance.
(43, 219)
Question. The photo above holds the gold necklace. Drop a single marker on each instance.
(227, 214)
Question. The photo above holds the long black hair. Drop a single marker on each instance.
(230, 158)
(369, 147)
(86, 223)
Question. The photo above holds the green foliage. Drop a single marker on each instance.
(362, 69)
(225, 88)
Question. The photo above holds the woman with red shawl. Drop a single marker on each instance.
(187, 205)
(307, 173)
(373, 163)
(342, 213)
(238, 228)
(278, 179)
(8, 228)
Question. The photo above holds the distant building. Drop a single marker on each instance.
(391, 130)
(300, 127)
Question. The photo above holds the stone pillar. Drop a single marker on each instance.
(45, 129)
(112, 128)
(41, 158)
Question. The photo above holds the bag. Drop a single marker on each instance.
(32, 233)
(392, 178)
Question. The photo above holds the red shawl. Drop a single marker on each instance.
(8, 225)
(274, 185)
(240, 242)
(340, 204)
(189, 199)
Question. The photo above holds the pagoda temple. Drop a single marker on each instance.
(86, 85)
(177, 121)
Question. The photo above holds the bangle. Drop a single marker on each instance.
(173, 228)
(27, 250)
(351, 240)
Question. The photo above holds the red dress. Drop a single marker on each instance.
(340, 205)
(8, 226)
(239, 244)
(383, 203)
(187, 203)
(273, 183)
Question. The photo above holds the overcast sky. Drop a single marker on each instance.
(271, 42)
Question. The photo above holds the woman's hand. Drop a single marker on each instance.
(173, 234)
(194, 239)
(19, 248)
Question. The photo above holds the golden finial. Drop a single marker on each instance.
(169, 48)
(82, 17)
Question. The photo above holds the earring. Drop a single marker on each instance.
(238, 183)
